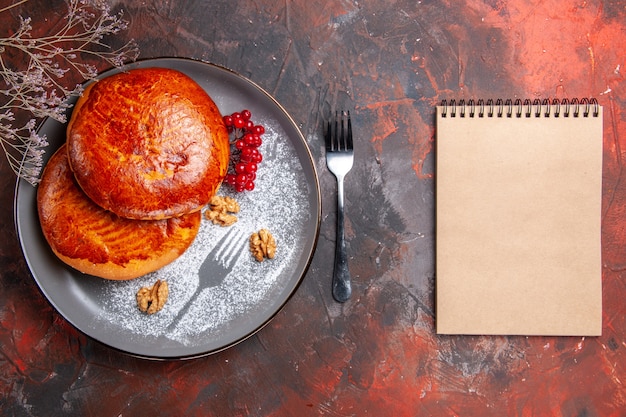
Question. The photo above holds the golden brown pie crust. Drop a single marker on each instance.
(148, 144)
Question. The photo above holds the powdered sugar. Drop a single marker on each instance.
(279, 203)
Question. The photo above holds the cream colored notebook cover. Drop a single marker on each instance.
(518, 207)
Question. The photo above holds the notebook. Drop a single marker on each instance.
(518, 208)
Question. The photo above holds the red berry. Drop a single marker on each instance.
(241, 179)
(238, 123)
(248, 139)
(240, 168)
(251, 168)
(246, 154)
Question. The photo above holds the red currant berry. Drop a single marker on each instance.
(249, 139)
(241, 179)
(246, 154)
(241, 168)
(238, 123)
(251, 168)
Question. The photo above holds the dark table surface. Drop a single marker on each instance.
(390, 62)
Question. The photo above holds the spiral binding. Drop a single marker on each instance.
(519, 108)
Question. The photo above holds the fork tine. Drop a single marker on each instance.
(335, 138)
(341, 136)
(338, 136)
(328, 137)
(349, 145)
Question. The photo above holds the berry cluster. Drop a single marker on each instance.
(245, 155)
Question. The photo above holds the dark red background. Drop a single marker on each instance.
(390, 62)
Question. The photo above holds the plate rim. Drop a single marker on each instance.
(316, 191)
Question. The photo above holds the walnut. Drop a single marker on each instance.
(220, 209)
(152, 299)
(262, 245)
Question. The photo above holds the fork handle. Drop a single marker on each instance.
(342, 288)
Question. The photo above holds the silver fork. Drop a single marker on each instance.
(339, 159)
(216, 266)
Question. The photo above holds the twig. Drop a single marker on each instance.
(39, 90)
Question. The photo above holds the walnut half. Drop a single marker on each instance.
(221, 209)
(262, 245)
(152, 299)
